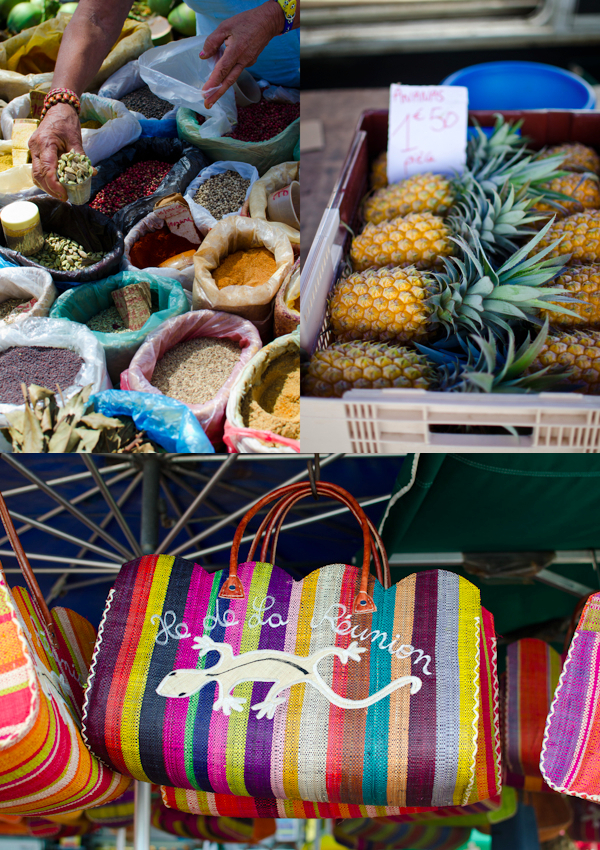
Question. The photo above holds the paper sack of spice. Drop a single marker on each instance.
(134, 304)
(177, 216)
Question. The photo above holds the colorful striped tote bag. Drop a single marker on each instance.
(367, 834)
(532, 673)
(334, 688)
(45, 768)
(222, 830)
(570, 760)
(486, 789)
(116, 814)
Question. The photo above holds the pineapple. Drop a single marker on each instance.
(422, 193)
(379, 172)
(470, 293)
(345, 366)
(419, 239)
(584, 189)
(581, 238)
(578, 351)
(382, 304)
(583, 282)
(578, 157)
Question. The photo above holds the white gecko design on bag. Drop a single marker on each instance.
(269, 665)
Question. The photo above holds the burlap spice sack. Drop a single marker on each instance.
(239, 233)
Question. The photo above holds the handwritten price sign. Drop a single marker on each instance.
(427, 130)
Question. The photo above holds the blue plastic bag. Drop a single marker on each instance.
(168, 422)
(83, 302)
(158, 128)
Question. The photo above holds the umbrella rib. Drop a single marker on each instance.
(49, 491)
(63, 535)
(110, 501)
(222, 523)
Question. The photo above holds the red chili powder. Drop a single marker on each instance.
(154, 248)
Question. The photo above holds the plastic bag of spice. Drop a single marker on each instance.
(166, 421)
(227, 237)
(202, 216)
(90, 229)
(263, 155)
(187, 161)
(276, 178)
(153, 223)
(84, 302)
(34, 51)
(36, 333)
(274, 418)
(119, 127)
(30, 292)
(198, 324)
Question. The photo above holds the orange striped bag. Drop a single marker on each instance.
(45, 767)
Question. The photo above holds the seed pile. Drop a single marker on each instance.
(6, 161)
(64, 254)
(138, 181)
(149, 104)
(263, 120)
(9, 306)
(222, 194)
(74, 168)
(46, 367)
(107, 321)
(195, 370)
(274, 405)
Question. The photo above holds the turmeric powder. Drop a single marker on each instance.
(274, 404)
(245, 268)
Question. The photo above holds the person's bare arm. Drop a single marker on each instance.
(87, 41)
(245, 36)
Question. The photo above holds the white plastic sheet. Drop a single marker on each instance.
(176, 73)
(26, 284)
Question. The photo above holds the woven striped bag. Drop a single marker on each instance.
(487, 788)
(570, 760)
(532, 673)
(45, 767)
(327, 689)
(116, 814)
(222, 830)
(367, 834)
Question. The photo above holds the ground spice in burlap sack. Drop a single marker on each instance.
(134, 303)
(245, 268)
(274, 405)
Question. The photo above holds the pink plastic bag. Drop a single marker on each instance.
(251, 441)
(199, 323)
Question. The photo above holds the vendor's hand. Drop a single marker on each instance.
(59, 132)
(245, 36)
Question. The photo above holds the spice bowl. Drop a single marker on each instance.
(79, 193)
(247, 90)
(284, 205)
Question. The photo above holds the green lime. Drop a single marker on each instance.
(24, 15)
(183, 20)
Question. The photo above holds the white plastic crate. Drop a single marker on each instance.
(394, 421)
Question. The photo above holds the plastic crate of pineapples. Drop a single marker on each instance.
(489, 282)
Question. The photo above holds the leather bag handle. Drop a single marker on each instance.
(28, 574)
(274, 520)
(363, 602)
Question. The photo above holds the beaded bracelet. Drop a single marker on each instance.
(289, 11)
(56, 96)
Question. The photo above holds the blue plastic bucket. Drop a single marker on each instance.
(522, 85)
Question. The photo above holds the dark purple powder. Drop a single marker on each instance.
(47, 367)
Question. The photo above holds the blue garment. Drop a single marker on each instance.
(279, 63)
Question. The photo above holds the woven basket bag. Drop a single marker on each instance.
(337, 688)
(532, 672)
(220, 830)
(45, 767)
(367, 834)
(570, 759)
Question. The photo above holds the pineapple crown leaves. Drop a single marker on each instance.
(471, 293)
(503, 141)
(498, 220)
(520, 170)
(493, 365)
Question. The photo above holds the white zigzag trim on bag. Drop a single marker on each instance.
(496, 697)
(17, 733)
(92, 673)
(475, 724)
(594, 797)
